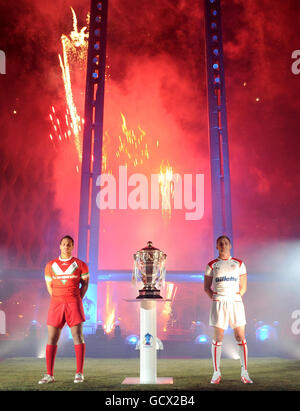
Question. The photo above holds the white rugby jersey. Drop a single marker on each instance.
(226, 275)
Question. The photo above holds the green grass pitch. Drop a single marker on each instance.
(276, 374)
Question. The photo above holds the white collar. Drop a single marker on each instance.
(225, 259)
(65, 259)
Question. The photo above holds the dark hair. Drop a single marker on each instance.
(67, 237)
(223, 236)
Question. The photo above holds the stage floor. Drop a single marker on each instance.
(268, 374)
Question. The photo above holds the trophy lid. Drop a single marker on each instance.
(149, 250)
(149, 247)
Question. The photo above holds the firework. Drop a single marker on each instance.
(74, 49)
(166, 184)
(134, 145)
(74, 58)
(109, 321)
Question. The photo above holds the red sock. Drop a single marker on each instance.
(50, 358)
(80, 353)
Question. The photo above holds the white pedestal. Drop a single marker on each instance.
(148, 356)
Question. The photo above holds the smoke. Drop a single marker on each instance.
(154, 82)
(262, 106)
(157, 80)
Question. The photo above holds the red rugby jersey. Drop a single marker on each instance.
(65, 277)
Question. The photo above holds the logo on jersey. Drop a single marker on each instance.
(224, 278)
(61, 275)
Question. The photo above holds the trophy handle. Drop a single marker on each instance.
(162, 273)
(135, 273)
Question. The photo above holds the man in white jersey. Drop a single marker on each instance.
(225, 283)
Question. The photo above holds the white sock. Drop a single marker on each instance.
(216, 349)
(243, 353)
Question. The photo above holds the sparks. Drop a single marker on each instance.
(134, 146)
(78, 38)
(65, 68)
(166, 188)
(110, 322)
(74, 54)
(109, 312)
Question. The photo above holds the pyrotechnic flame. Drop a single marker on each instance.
(166, 188)
(136, 149)
(106, 142)
(74, 54)
(110, 322)
(74, 47)
(69, 96)
(79, 38)
(133, 146)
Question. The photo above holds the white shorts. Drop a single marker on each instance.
(227, 311)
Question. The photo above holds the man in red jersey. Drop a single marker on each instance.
(225, 283)
(67, 280)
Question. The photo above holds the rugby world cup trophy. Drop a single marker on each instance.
(149, 267)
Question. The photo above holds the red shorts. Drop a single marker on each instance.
(71, 313)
